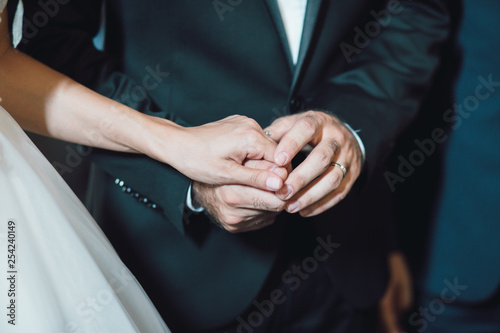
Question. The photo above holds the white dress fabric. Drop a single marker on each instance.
(17, 25)
(58, 272)
(56, 265)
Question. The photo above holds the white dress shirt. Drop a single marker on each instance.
(292, 14)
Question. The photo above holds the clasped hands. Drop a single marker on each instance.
(259, 183)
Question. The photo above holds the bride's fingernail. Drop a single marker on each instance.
(273, 183)
(282, 158)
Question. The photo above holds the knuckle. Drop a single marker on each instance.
(255, 176)
(239, 117)
(324, 159)
(300, 180)
(249, 122)
(259, 203)
(232, 220)
(231, 229)
(311, 114)
(334, 145)
(334, 181)
(235, 117)
(253, 137)
(229, 198)
(309, 123)
(341, 139)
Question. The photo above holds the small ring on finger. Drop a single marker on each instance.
(341, 167)
(268, 133)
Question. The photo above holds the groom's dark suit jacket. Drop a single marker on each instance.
(238, 62)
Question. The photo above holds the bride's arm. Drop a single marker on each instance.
(46, 102)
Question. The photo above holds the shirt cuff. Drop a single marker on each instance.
(360, 142)
(192, 204)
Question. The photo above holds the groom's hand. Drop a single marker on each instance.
(316, 184)
(240, 208)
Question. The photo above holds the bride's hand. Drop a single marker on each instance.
(214, 153)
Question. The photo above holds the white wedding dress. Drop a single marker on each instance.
(56, 266)
(58, 272)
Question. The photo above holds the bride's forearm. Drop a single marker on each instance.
(48, 103)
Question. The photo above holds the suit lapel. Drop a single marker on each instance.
(310, 24)
(274, 11)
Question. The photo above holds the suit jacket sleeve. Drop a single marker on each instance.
(65, 43)
(386, 80)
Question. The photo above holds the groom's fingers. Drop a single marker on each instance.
(260, 174)
(256, 146)
(254, 220)
(318, 189)
(302, 132)
(279, 128)
(242, 198)
(316, 163)
(261, 179)
(265, 165)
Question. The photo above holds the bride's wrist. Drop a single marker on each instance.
(160, 139)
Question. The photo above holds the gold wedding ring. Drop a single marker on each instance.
(341, 167)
